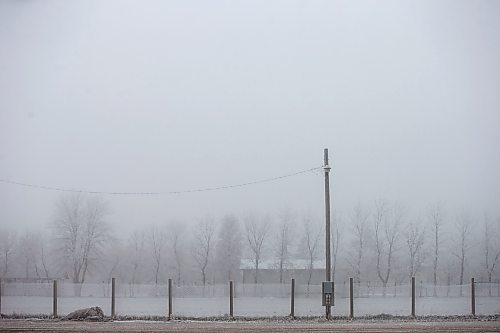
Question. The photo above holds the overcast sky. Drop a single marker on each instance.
(176, 95)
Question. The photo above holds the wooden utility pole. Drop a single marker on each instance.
(169, 299)
(473, 296)
(327, 169)
(113, 298)
(292, 300)
(351, 298)
(413, 296)
(231, 299)
(54, 299)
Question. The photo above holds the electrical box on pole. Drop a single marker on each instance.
(327, 292)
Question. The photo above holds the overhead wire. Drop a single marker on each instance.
(206, 189)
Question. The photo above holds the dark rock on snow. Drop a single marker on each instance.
(92, 314)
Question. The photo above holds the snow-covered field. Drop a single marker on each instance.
(253, 306)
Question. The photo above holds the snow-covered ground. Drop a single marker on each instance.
(191, 326)
(253, 306)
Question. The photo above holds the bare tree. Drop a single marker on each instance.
(7, 243)
(436, 218)
(462, 244)
(336, 232)
(136, 246)
(386, 225)
(491, 249)
(175, 233)
(415, 241)
(202, 249)
(81, 233)
(228, 249)
(28, 250)
(157, 240)
(379, 220)
(358, 221)
(256, 231)
(311, 243)
(283, 240)
(112, 259)
(43, 259)
(44, 245)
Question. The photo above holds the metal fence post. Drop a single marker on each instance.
(231, 299)
(54, 299)
(351, 298)
(413, 296)
(292, 299)
(169, 299)
(112, 297)
(473, 296)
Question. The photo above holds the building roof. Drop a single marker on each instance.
(273, 264)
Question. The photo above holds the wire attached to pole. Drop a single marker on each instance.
(206, 189)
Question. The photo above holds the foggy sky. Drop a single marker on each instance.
(175, 95)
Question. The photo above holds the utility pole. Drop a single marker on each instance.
(327, 169)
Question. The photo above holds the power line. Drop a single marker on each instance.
(206, 189)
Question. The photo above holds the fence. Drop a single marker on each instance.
(58, 298)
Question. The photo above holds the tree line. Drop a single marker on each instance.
(380, 242)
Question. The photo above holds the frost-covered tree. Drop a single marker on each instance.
(491, 247)
(157, 240)
(29, 246)
(228, 248)
(7, 243)
(386, 226)
(81, 233)
(283, 240)
(256, 230)
(336, 236)
(462, 244)
(113, 260)
(311, 238)
(136, 246)
(176, 243)
(436, 221)
(414, 237)
(203, 245)
(359, 221)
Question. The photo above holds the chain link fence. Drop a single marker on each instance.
(250, 300)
